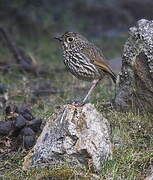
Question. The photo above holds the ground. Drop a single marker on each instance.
(132, 132)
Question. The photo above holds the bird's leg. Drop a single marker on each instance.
(94, 84)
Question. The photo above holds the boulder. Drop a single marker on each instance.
(135, 81)
(78, 136)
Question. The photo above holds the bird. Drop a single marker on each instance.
(84, 60)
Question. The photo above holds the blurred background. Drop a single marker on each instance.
(31, 26)
(32, 23)
(32, 73)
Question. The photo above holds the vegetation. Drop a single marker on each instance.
(132, 134)
(32, 26)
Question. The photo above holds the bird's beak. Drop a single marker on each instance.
(59, 38)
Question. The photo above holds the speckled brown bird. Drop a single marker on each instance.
(84, 60)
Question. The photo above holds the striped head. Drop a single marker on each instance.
(72, 41)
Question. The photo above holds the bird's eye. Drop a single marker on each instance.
(70, 39)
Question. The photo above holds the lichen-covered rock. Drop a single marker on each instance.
(79, 136)
(135, 81)
(149, 177)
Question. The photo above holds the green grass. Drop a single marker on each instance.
(133, 141)
(132, 133)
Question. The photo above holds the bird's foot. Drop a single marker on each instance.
(77, 103)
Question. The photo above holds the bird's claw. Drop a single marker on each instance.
(77, 103)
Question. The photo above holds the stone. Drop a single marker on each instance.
(35, 124)
(28, 141)
(27, 131)
(134, 89)
(6, 128)
(20, 122)
(78, 136)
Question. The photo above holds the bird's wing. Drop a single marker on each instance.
(95, 55)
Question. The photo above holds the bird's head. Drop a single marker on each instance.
(71, 40)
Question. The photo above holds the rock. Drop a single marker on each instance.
(27, 116)
(35, 124)
(11, 109)
(20, 125)
(24, 108)
(135, 81)
(6, 128)
(20, 122)
(26, 112)
(27, 137)
(28, 141)
(27, 131)
(79, 136)
(149, 177)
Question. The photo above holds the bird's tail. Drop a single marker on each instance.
(107, 69)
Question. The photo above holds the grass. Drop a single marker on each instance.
(132, 137)
(132, 133)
